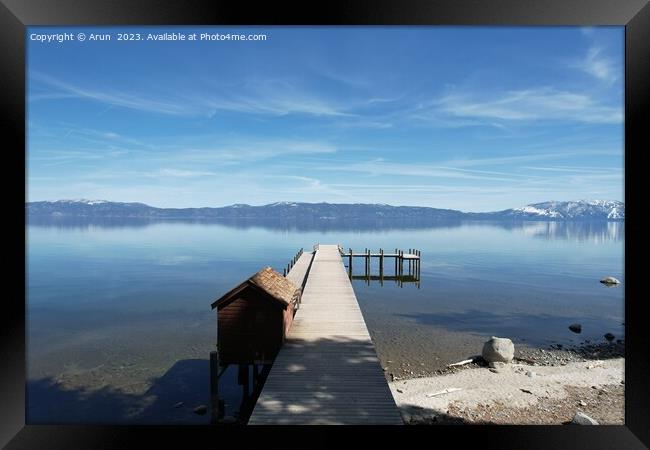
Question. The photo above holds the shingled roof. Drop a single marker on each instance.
(270, 282)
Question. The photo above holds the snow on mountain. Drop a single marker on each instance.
(283, 204)
(581, 209)
(84, 201)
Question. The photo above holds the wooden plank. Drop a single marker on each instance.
(327, 372)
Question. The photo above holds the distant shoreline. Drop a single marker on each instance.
(584, 210)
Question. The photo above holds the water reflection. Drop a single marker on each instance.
(593, 232)
(587, 231)
(119, 308)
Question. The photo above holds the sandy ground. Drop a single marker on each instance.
(516, 394)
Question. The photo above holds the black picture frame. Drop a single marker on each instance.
(15, 15)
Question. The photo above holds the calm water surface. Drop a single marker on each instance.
(120, 326)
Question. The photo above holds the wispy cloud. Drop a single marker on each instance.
(58, 157)
(311, 185)
(599, 65)
(578, 169)
(510, 160)
(276, 98)
(108, 139)
(113, 97)
(379, 167)
(545, 103)
(179, 173)
(597, 61)
(274, 104)
(248, 151)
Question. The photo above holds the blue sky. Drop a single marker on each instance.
(467, 118)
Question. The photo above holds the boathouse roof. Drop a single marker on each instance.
(268, 282)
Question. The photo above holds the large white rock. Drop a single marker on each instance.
(610, 280)
(582, 419)
(498, 350)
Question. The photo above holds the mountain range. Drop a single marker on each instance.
(599, 210)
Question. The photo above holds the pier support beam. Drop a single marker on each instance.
(215, 410)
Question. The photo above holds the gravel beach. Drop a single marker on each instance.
(517, 393)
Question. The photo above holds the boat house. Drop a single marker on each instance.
(254, 318)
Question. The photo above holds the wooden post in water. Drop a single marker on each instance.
(412, 263)
(399, 266)
(395, 264)
(381, 266)
(368, 266)
(256, 377)
(415, 264)
(418, 268)
(365, 262)
(242, 379)
(350, 264)
(214, 386)
(408, 262)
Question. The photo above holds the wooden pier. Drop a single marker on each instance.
(327, 372)
(406, 265)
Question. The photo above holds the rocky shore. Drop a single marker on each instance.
(557, 385)
(553, 355)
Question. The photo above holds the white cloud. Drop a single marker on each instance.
(179, 173)
(597, 64)
(275, 98)
(379, 168)
(113, 97)
(249, 151)
(528, 105)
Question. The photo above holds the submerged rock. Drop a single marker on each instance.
(498, 350)
(610, 280)
(582, 419)
(201, 410)
(575, 327)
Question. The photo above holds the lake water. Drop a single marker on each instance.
(119, 325)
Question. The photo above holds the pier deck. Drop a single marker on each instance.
(299, 270)
(327, 372)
